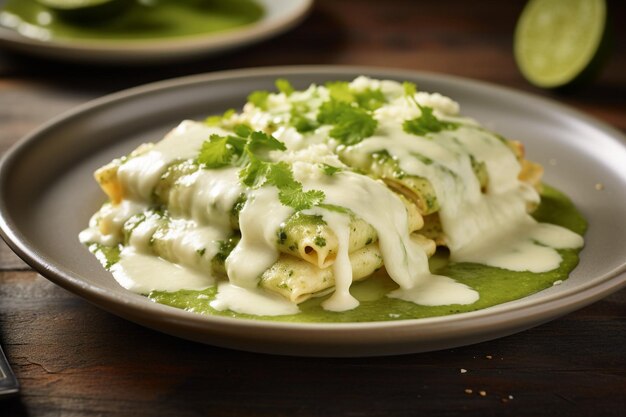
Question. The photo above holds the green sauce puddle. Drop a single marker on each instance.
(495, 285)
(142, 20)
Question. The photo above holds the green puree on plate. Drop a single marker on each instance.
(139, 19)
(495, 285)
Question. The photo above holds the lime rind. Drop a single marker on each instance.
(557, 42)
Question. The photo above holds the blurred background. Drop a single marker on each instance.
(469, 39)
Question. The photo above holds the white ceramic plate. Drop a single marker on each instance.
(280, 15)
(47, 194)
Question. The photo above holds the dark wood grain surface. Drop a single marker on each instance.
(73, 359)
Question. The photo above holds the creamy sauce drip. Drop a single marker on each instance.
(251, 301)
(437, 290)
(341, 299)
(142, 273)
(531, 246)
(372, 201)
(207, 197)
(258, 220)
(139, 174)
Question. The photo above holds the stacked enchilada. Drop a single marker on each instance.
(303, 192)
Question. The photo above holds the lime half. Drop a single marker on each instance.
(560, 42)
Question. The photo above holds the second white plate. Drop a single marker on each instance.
(279, 16)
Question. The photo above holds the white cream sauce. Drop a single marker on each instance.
(207, 196)
(341, 299)
(259, 220)
(437, 290)
(530, 246)
(492, 228)
(139, 175)
(142, 273)
(251, 301)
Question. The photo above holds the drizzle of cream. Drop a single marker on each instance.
(140, 174)
(142, 273)
(437, 290)
(530, 246)
(251, 301)
(341, 299)
(259, 220)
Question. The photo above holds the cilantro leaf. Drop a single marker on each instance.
(242, 130)
(284, 86)
(261, 143)
(220, 151)
(370, 99)
(427, 122)
(350, 124)
(353, 126)
(217, 120)
(281, 176)
(299, 199)
(329, 169)
(340, 91)
(410, 89)
(367, 99)
(259, 98)
(303, 124)
(254, 174)
(330, 111)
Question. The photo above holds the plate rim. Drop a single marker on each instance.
(567, 300)
(163, 49)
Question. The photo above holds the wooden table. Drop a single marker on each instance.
(73, 359)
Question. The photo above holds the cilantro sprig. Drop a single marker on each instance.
(290, 192)
(427, 122)
(368, 99)
(249, 149)
(220, 151)
(350, 124)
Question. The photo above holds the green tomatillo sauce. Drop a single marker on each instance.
(495, 285)
(138, 20)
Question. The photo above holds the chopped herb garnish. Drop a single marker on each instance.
(284, 86)
(427, 122)
(290, 191)
(226, 247)
(368, 99)
(259, 99)
(299, 199)
(329, 169)
(220, 151)
(350, 124)
(217, 120)
(319, 241)
(201, 252)
(340, 91)
(261, 143)
(242, 130)
(282, 236)
(299, 120)
(410, 89)
(303, 124)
